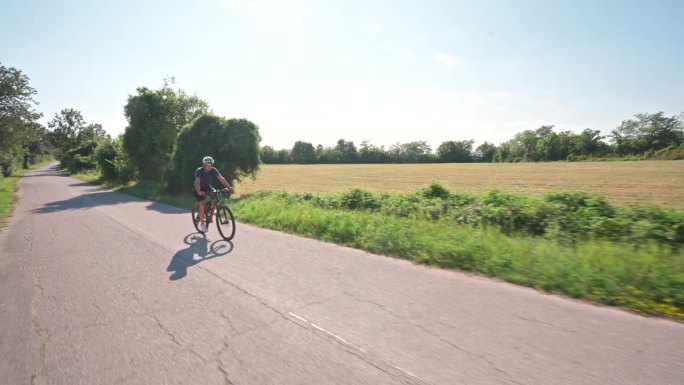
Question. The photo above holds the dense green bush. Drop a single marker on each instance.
(566, 217)
(359, 199)
(12, 158)
(233, 143)
(436, 190)
(113, 162)
(80, 158)
(8, 163)
(105, 156)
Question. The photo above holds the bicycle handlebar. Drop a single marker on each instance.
(215, 193)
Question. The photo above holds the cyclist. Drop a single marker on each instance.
(203, 177)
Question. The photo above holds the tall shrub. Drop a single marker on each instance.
(233, 143)
(154, 119)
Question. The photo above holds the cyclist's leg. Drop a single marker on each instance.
(201, 211)
(200, 207)
(213, 209)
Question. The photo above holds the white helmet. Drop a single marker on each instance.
(208, 160)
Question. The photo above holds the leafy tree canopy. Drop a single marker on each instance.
(233, 143)
(155, 117)
(303, 153)
(18, 117)
(69, 130)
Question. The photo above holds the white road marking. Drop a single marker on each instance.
(354, 346)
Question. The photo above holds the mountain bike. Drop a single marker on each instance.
(225, 221)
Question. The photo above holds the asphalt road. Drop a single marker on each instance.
(98, 287)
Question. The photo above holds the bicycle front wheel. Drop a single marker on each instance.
(225, 222)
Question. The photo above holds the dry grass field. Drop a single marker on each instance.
(654, 182)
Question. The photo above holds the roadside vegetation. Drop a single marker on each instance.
(8, 188)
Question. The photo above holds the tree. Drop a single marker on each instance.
(412, 152)
(92, 131)
(267, 155)
(456, 151)
(70, 131)
(326, 155)
(40, 146)
(303, 153)
(75, 140)
(233, 143)
(369, 153)
(283, 156)
(589, 142)
(648, 132)
(485, 152)
(66, 127)
(18, 118)
(566, 144)
(155, 117)
(522, 147)
(530, 145)
(662, 132)
(628, 137)
(503, 153)
(547, 147)
(346, 152)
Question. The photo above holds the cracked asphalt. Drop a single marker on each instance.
(98, 287)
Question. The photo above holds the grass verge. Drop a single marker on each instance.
(8, 190)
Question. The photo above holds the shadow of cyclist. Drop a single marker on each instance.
(199, 250)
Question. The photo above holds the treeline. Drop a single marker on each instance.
(168, 134)
(645, 136)
(170, 131)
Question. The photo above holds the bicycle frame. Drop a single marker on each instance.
(220, 209)
(216, 198)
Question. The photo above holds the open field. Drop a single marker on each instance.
(652, 182)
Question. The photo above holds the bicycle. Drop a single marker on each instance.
(225, 221)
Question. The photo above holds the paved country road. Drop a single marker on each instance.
(98, 287)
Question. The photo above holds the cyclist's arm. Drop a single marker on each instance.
(197, 186)
(224, 182)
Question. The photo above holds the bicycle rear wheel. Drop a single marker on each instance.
(225, 222)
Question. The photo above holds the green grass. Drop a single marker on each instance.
(8, 190)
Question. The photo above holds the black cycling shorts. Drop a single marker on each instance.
(199, 197)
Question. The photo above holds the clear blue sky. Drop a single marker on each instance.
(383, 71)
